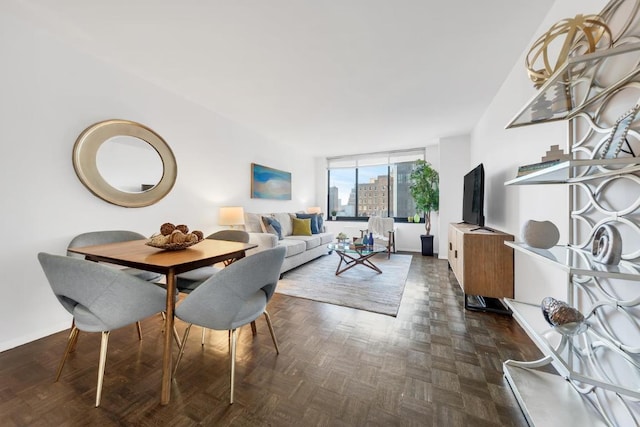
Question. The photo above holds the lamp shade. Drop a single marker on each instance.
(231, 215)
(314, 210)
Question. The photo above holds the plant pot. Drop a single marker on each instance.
(427, 244)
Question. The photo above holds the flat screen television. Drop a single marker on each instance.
(473, 197)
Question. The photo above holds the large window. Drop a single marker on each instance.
(372, 185)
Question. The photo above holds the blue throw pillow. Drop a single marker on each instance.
(273, 226)
(320, 222)
(314, 221)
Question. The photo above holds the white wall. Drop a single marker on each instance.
(50, 93)
(503, 150)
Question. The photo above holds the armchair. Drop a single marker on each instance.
(384, 232)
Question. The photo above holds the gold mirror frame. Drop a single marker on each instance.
(85, 153)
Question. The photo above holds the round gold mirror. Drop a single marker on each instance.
(124, 163)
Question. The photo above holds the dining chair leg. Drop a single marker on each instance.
(71, 342)
(103, 362)
(181, 352)
(204, 331)
(73, 345)
(139, 328)
(254, 330)
(273, 334)
(234, 340)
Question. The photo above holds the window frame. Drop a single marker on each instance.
(353, 162)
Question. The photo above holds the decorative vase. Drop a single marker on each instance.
(540, 234)
(566, 319)
(607, 245)
(409, 219)
(416, 218)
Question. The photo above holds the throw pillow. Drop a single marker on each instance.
(314, 221)
(320, 223)
(273, 226)
(301, 227)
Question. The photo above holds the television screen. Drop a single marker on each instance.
(473, 197)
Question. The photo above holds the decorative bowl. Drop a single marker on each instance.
(172, 246)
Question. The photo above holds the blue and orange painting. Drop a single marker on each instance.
(268, 183)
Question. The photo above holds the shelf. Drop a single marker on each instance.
(573, 87)
(574, 171)
(559, 405)
(569, 353)
(579, 262)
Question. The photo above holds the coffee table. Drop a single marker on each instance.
(352, 255)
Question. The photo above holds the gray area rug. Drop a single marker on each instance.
(359, 287)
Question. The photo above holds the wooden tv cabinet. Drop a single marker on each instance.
(483, 265)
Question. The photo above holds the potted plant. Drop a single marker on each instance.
(333, 215)
(425, 190)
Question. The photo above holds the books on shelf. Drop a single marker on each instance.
(533, 167)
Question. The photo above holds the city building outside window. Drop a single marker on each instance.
(374, 184)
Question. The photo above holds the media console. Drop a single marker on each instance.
(483, 265)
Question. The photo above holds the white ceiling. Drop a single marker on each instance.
(337, 76)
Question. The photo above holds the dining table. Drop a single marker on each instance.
(137, 254)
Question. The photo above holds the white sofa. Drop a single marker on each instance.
(300, 248)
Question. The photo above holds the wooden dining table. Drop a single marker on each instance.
(137, 254)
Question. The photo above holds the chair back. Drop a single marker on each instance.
(237, 294)
(380, 226)
(230, 236)
(100, 298)
(102, 237)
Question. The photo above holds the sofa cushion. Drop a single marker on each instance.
(285, 222)
(314, 221)
(325, 238)
(301, 227)
(253, 223)
(294, 247)
(310, 242)
(273, 226)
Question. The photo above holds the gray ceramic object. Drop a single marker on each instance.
(540, 234)
(607, 245)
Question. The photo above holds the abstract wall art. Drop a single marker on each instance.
(269, 183)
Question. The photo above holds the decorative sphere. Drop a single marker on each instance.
(540, 234)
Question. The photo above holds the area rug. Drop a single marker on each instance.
(359, 287)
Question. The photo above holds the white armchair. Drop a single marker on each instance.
(384, 232)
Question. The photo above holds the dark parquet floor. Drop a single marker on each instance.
(435, 364)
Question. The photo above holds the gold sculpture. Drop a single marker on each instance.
(582, 35)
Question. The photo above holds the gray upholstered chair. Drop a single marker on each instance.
(100, 298)
(112, 236)
(187, 282)
(235, 296)
(103, 237)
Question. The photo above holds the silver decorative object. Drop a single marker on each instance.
(540, 234)
(607, 245)
(564, 318)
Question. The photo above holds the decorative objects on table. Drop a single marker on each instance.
(231, 216)
(137, 153)
(175, 237)
(540, 234)
(342, 237)
(564, 318)
(269, 183)
(582, 34)
(607, 245)
(618, 134)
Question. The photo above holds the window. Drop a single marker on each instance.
(374, 184)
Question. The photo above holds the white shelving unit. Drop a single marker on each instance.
(592, 378)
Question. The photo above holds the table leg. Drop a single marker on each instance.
(350, 262)
(165, 395)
